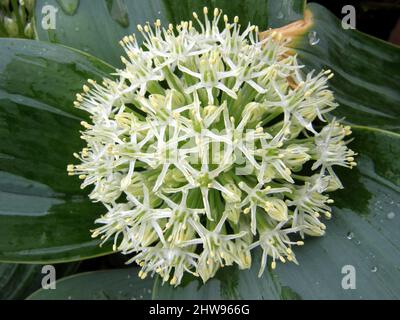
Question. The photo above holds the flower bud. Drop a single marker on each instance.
(277, 209)
(28, 31)
(30, 5)
(11, 27)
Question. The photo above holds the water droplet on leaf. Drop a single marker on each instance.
(313, 38)
(374, 269)
(391, 215)
(350, 235)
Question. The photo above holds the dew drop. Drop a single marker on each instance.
(391, 215)
(350, 235)
(313, 38)
(279, 15)
(374, 269)
(69, 298)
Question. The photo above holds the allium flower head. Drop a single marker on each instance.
(210, 142)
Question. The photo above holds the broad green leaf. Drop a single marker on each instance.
(17, 281)
(44, 216)
(362, 233)
(97, 26)
(119, 284)
(367, 70)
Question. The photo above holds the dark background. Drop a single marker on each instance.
(379, 18)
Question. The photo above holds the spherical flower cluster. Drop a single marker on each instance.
(210, 142)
